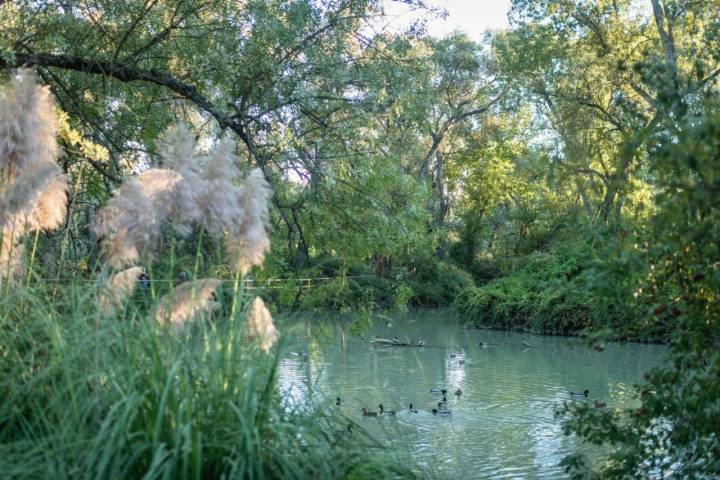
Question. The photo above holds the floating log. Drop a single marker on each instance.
(397, 342)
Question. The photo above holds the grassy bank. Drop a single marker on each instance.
(92, 396)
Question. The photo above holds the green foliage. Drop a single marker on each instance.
(437, 283)
(674, 430)
(403, 294)
(90, 397)
(546, 295)
(569, 167)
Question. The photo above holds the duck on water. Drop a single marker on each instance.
(578, 395)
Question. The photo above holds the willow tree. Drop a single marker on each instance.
(271, 72)
(583, 64)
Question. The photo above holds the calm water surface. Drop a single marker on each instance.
(502, 426)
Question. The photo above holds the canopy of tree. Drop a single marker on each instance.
(563, 175)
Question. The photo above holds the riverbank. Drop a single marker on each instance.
(557, 291)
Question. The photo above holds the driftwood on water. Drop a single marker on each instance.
(397, 342)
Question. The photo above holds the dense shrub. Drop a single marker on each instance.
(431, 283)
(437, 283)
(546, 294)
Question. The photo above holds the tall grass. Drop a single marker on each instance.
(99, 381)
(86, 396)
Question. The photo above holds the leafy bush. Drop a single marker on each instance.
(403, 294)
(547, 294)
(673, 431)
(437, 283)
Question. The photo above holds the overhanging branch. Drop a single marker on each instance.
(124, 73)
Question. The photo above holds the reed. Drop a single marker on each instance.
(152, 405)
(92, 384)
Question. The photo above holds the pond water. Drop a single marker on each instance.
(501, 426)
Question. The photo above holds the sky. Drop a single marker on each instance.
(470, 16)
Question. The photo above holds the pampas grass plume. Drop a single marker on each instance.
(177, 154)
(28, 125)
(119, 288)
(193, 191)
(260, 325)
(51, 206)
(223, 213)
(185, 302)
(33, 189)
(130, 222)
(248, 246)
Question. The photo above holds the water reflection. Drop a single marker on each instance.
(502, 426)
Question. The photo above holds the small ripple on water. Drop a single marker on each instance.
(503, 424)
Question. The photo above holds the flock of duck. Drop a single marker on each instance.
(442, 406)
(441, 409)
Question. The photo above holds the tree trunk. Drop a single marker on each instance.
(666, 38)
(442, 205)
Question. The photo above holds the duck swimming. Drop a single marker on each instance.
(385, 412)
(584, 394)
(367, 413)
(436, 391)
(411, 409)
(436, 411)
(338, 401)
(599, 404)
(458, 392)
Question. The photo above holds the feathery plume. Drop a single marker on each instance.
(51, 206)
(33, 190)
(118, 289)
(28, 126)
(177, 154)
(34, 200)
(186, 301)
(131, 220)
(11, 253)
(193, 191)
(18, 197)
(223, 213)
(178, 147)
(260, 325)
(248, 246)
